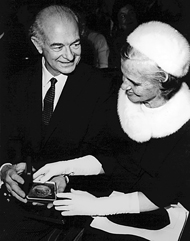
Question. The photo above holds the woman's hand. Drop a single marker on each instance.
(76, 203)
(86, 165)
(84, 203)
(50, 170)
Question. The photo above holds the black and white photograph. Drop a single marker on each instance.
(94, 120)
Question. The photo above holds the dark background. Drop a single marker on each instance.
(17, 15)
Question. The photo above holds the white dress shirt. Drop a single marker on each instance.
(46, 76)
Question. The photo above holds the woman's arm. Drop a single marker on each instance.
(87, 165)
(84, 203)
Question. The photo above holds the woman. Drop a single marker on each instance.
(152, 148)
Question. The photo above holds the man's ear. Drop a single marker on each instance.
(37, 43)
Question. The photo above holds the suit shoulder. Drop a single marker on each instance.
(28, 70)
(86, 69)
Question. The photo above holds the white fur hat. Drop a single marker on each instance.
(164, 45)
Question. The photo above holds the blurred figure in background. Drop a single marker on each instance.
(98, 40)
(104, 18)
(126, 22)
(87, 47)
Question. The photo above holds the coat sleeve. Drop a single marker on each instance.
(99, 138)
(164, 183)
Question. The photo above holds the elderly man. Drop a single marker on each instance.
(57, 110)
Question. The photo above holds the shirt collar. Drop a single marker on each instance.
(47, 75)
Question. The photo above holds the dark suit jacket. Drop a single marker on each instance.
(159, 167)
(76, 129)
(75, 126)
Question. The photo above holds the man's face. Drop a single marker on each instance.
(61, 48)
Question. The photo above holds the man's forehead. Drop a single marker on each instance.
(62, 27)
(56, 22)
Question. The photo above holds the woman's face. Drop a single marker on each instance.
(139, 89)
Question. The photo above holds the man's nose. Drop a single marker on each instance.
(68, 54)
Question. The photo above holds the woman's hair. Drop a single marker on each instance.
(169, 84)
(58, 11)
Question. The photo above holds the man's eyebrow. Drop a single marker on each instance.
(56, 44)
(61, 44)
(77, 40)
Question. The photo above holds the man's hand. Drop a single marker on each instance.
(12, 179)
(61, 184)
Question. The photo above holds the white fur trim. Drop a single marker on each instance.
(163, 44)
(141, 123)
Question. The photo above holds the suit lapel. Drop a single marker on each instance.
(74, 85)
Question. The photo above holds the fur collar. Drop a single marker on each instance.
(141, 123)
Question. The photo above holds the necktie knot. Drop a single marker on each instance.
(53, 81)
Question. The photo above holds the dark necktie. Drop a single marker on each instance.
(48, 103)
